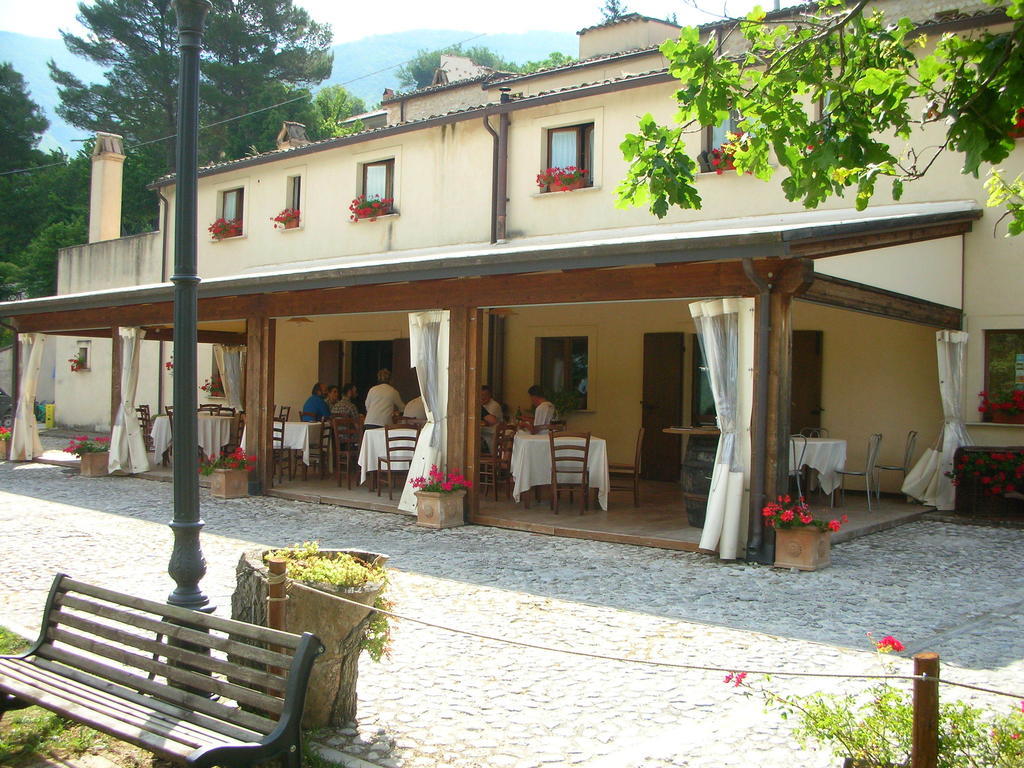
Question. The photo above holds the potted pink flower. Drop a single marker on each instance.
(229, 474)
(801, 540)
(94, 453)
(5, 440)
(439, 498)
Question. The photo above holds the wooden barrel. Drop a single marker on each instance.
(698, 463)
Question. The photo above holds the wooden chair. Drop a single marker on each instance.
(348, 434)
(570, 452)
(211, 408)
(224, 410)
(814, 432)
(319, 452)
(236, 438)
(283, 412)
(146, 423)
(169, 410)
(169, 453)
(628, 475)
(281, 455)
(399, 446)
(908, 457)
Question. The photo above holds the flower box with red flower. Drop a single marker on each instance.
(287, 219)
(5, 440)
(1007, 409)
(1017, 130)
(229, 474)
(989, 481)
(222, 229)
(78, 363)
(439, 498)
(94, 453)
(213, 387)
(801, 540)
(562, 179)
(371, 209)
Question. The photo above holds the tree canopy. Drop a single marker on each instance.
(613, 10)
(22, 122)
(418, 72)
(891, 103)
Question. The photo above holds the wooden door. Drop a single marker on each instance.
(806, 387)
(331, 363)
(403, 375)
(662, 405)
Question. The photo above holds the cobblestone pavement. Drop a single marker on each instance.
(449, 700)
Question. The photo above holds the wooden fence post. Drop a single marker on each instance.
(276, 595)
(925, 750)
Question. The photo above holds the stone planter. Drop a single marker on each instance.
(229, 483)
(440, 510)
(807, 549)
(331, 697)
(95, 464)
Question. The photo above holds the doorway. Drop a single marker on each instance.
(368, 357)
(662, 405)
(806, 388)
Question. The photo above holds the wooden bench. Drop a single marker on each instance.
(192, 688)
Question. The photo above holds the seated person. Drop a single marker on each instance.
(490, 415)
(543, 411)
(316, 405)
(382, 401)
(344, 406)
(415, 409)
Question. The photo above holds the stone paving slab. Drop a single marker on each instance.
(449, 700)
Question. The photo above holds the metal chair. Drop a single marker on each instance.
(399, 446)
(908, 455)
(874, 443)
(628, 474)
(570, 452)
(814, 432)
(347, 436)
(798, 448)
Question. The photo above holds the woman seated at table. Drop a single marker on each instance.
(543, 412)
(315, 408)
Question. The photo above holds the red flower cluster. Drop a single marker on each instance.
(889, 644)
(5, 433)
(570, 176)
(437, 481)
(1010, 405)
(736, 678)
(224, 228)
(721, 160)
(84, 444)
(213, 387)
(1017, 131)
(785, 513)
(998, 473)
(77, 363)
(362, 208)
(236, 460)
(286, 217)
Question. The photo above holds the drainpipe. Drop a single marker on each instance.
(501, 214)
(163, 279)
(757, 545)
(495, 141)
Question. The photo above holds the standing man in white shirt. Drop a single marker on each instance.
(543, 411)
(382, 401)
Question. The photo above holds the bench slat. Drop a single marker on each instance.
(169, 697)
(113, 695)
(161, 690)
(235, 672)
(160, 745)
(178, 632)
(23, 677)
(195, 618)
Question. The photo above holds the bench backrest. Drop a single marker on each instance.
(177, 656)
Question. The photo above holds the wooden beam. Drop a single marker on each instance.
(846, 294)
(116, 358)
(779, 405)
(259, 399)
(161, 334)
(870, 241)
(665, 281)
(457, 448)
(474, 363)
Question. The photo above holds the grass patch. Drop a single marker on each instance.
(26, 734)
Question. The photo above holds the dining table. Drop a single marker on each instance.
(374, 447)
(531, 464)
(826, 455)
(213, 433)
(298, 436)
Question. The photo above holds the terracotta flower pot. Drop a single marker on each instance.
(807, 549)
(439, 510)
(229, 483)
(4, 447)
(94, 464)
(556, 187)
(291, 224)
(1001, 417)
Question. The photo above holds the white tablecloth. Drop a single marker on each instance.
(214, 432)
(298, 436)
(374, 448)
(531, 465)
(824, 454)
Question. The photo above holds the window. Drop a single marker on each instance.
(82, 358)
(564, 361)
(294, 200)
(1004, 362)
(572, 146)
(714, 137)
(232, 210)
(703, 405)
(378, 181)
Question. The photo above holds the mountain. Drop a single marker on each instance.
(366, 66)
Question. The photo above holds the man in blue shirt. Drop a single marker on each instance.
(316, 405)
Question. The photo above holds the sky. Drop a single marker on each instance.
(352, 21)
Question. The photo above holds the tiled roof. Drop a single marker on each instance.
(578, 64)
(491, 75)
(628, 18)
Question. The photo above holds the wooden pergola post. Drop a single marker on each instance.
(261, 333)
(465, 347)
(116, 358)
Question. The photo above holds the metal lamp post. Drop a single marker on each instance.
(187, 566)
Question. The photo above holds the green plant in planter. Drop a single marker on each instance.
(565, 401)
(305, 563)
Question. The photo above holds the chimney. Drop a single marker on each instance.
(105, 193)
(292, 135)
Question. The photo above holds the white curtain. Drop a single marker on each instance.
(729, 365)
(127, 445)
(25, 444)
(230, 363)
(428, 350)
(927, 481)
